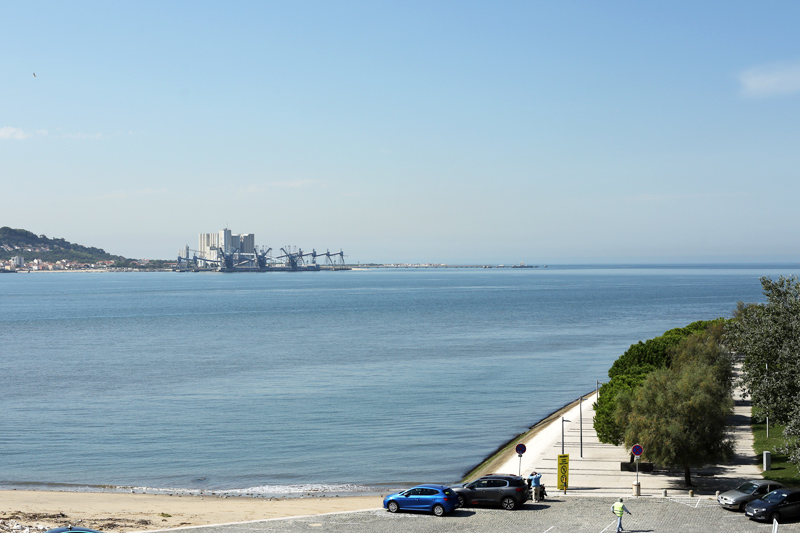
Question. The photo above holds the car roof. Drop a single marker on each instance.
(504, 476)
(760, 482)
(73, 529)
(785, 491)
(431, 486)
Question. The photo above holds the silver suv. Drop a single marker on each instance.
(506, 490)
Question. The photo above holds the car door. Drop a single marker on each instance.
(791, 505)
(496, 489)
(477, 492)
(760, 492)
(427, 498)
(410, 500)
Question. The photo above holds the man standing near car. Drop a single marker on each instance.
(618, 508)
(535, 480)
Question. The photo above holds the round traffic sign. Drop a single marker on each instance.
(521, 449)
(637, 450)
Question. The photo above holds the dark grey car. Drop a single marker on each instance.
(506, 490)
(776, 506)
(746, 493)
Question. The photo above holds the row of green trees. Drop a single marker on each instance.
(671, 394)
(769, 336)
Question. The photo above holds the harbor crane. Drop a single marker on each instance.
(296, 261)
(259, 260)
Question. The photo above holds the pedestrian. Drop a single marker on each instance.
(618, 508)
(535, 481)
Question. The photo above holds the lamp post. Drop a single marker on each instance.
(580, 411)
(562, 434)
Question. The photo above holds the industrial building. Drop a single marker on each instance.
(225, 251)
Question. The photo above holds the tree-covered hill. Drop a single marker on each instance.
(20, 242)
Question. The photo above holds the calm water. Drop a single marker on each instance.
(270, 383)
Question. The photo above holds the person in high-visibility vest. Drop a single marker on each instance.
(618, 508)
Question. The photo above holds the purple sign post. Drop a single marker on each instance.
(520, 450)
(637, 451)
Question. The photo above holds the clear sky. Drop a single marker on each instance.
(442, 131)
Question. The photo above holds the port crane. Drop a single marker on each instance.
(258, 260)
(295, 260)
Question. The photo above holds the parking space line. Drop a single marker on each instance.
(612, 524)
(696, 501)
(548, 529)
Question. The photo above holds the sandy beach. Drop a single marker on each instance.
(42, 510)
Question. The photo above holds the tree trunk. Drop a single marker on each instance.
(687, 476)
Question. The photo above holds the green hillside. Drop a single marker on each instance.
(14, 242)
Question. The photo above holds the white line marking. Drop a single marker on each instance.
(612, 524)
(548, 529)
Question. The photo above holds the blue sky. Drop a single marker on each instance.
(459, 132)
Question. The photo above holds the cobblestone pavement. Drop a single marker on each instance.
(565, 515)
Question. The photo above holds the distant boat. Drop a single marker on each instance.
(523, 265)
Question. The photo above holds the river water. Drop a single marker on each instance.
(277, 383)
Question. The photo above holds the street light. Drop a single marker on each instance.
(562, 434)
(580, 410)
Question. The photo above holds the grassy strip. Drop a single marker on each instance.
(782, 470)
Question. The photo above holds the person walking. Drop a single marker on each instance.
(618, 508)
(535, 480)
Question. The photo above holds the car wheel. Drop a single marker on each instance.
(775, 517)
(461, 501)
(438, 510)
(392, 507)
(508, 503)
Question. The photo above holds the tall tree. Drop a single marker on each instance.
(678, 414)
(769, 337)
(630, 370)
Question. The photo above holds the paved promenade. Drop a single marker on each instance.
(596, 471)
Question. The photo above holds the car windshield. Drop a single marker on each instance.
(747, 488)
(776, 496)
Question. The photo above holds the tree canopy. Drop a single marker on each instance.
(48, 249)
(671, 394)
(630, 370)
(769, 337)
(678, 414)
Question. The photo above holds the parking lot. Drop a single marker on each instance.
(565, 515)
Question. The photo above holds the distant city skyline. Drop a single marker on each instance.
(442, 132)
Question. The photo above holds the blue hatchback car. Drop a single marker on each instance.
(437, 499)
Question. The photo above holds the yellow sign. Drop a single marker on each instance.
(563, 471)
